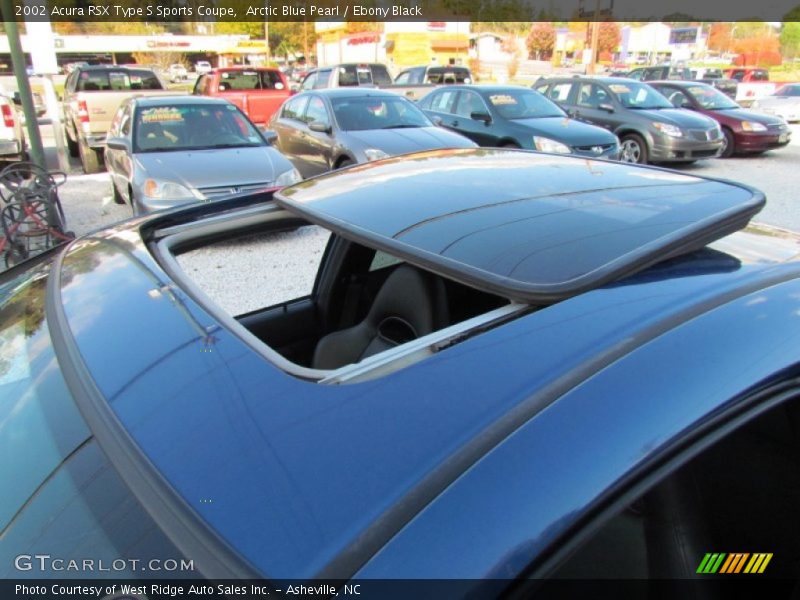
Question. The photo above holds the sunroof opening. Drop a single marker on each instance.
(328, 306)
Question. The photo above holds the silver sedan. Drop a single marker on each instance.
(784, 103)
(166, 151)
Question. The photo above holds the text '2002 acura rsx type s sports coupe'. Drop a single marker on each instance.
(507, 369)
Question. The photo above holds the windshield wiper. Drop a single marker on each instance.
(402, 126)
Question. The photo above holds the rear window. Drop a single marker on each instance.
(116, 81)
(250, 80)
(444, 76)
(354, 75)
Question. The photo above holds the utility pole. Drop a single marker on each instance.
(26, 98)
(266, 37)
(595, 34)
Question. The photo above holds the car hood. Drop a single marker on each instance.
(403, 141)
(676, 116)
(570, 131)
(743, 114)
(211, 168)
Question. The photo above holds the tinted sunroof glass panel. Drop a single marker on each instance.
(529, 225)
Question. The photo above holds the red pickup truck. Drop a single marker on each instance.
(259, 92)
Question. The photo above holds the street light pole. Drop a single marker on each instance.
(25, 95)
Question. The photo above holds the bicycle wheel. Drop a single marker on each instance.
(30, 176)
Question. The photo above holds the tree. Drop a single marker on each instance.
(541, 40)
(720, 37)
(790, 39)
(608, 38)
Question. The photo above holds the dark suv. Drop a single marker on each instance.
(650, 129)
(659, 72)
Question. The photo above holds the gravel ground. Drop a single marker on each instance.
(268, 269)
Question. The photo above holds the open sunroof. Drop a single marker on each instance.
(531, 227)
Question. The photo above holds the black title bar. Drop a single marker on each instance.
(171, 11)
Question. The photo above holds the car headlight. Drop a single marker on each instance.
(288, 178)
(543, 144)
(166, 190)
(375, 154)
(667, 129)
(753, 126)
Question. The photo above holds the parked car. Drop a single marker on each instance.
(347, 75)
(201, 67)
(12, 140)
(784, 103)
(748, 74)
(514, 116)
(753, 85)
(659, 72)
(177, 73)
(164, 152)
(447, 74)
(507, 369)
(10, 90)
(330, 129)
(745, 131)
(713, 77)
(417, 82)
(258, 91)
(650, 129)
(92, 96)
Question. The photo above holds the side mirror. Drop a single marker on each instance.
(687, 104)
(118, 143)
(319, 127)
(606, 106)
(481, 116)
(17, 99)
(437, 121)
(269, 135)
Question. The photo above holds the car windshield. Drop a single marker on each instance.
(177, 127)
(250, 80)
(638, 96)
(789, 90)
(377, 112)
(522, 104)
(710, 98)
(116, 81)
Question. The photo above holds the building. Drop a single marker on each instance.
(220, 50)
(398, 44)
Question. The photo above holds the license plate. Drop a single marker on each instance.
(783, 138)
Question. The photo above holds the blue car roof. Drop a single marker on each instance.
(536, 228)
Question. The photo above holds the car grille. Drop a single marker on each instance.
(593, 149)
(704, 153)
(706, 135)
(226, 190)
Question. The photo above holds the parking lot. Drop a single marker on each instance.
(88, 204)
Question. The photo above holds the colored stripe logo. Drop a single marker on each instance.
(737, 562)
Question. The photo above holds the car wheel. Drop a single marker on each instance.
(511, 145)
(72, 147)
(345, 163)
(118, 198)
(633, 149)
(90, 161)
(727, 144)
(133, 202)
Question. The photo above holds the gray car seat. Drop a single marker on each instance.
(410, 304)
